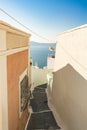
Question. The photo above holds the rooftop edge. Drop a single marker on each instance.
(10, 28)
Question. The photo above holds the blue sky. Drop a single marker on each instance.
(46, 17)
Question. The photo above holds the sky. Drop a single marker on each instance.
(47, 18)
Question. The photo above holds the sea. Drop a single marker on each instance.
(39, 53)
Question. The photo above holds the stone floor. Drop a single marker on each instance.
(41, 117)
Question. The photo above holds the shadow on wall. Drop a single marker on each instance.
(69, 96)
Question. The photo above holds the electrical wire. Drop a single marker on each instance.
(73, 58)
(40, 36)
(14, 19)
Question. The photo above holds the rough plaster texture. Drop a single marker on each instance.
(15, 67)
(70, 79)
(14, 57)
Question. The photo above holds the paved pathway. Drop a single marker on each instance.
(42, 117)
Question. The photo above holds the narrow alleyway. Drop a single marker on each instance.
(41, 117)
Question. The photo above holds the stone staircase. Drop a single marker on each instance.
(41, 117)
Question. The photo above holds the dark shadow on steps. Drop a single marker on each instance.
(44, 86)
(39, 101)
(42, 121)
(38, 105)
(41, 118)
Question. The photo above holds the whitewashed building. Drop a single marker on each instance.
(69, 92)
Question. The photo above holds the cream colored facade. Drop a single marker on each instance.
(14, 56)
(69, 92)
(3, 95)
(11, 38)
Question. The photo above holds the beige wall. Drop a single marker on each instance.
(16, 41)
(0, 107)
(69, 93)
(3, 94)
(11, 37)
(13, 61)
(2, 40)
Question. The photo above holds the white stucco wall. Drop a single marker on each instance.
(39, 76)
(72, 48)
(50, 62)
(69, 93)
